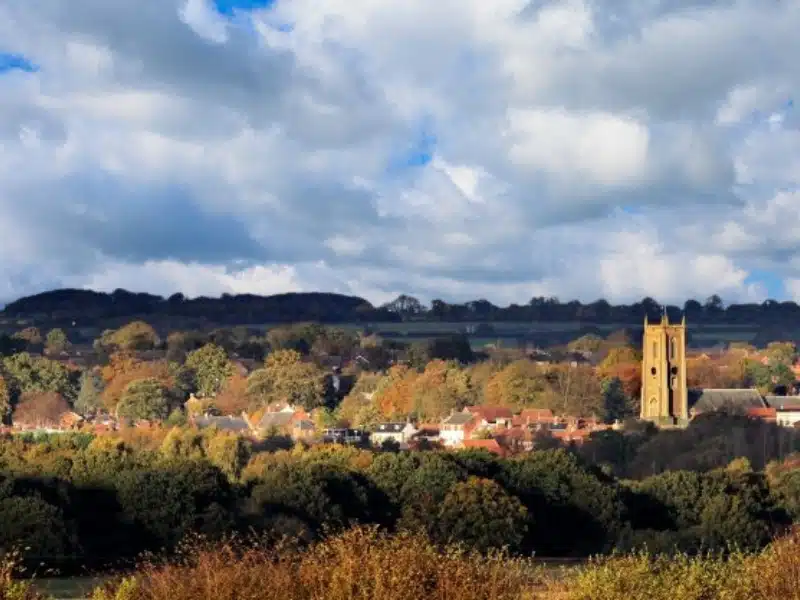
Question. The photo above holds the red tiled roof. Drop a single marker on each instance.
(491, 413)
(490, 445)
(536, 415)
(762, 413)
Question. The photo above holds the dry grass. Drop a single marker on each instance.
(359, 564)
(773, 574)
(11, 588)
(363, 564)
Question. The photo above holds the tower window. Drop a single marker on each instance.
(674, 370)
(652, 371)
(673, 349)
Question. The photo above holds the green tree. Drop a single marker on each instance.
(480, 514)
(90, 392)
(144, 399)
(210, 367)
(5, 400)
(285, 377)
(616, 404)
(56, 341)
(26, 373)
(136, 336)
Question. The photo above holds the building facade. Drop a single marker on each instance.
(665, 397)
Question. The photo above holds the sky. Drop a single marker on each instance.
(464, 149)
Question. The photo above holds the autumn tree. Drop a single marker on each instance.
(394, 395)
(441, 388)
(144, 399)
(574, 390)
(781, 353)
(136, 336)
(232, 398)
(588, 343)
(31, 337)
(629, 376)
(619, 355)
(518, 385)
(43, 409)
(286, 377)
(123, 368)
(210, 367)
(5, 399)
(56, 341)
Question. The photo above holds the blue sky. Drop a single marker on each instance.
(10, 61)
(438, 149)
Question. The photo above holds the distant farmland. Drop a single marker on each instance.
(510, 333)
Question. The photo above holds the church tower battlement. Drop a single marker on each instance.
(665, 397)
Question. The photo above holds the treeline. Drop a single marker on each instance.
(77, 501)
(337, 308)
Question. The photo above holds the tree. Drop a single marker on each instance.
(89, 398)
(30, 336)
(285, 377)
(518, 385)
(781, 353)
(616, 403)
(394, 395)
(144, 399)
(211, 368)
(5, 400)
(573, 390)
(443, 387)
(136, 336)
(56, 341)
(232, 399)
(41, 409)
(480, 514)
(26, 373)
(123, 368)
(588, 343)
(619, 355)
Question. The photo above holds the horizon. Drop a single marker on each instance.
(425, 304)
(454, 150)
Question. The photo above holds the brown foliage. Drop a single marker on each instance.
(232, 399)
(359, 564)
(702, 372)
(124, 368)
(40, 408)
(629, 375)
(395, 396)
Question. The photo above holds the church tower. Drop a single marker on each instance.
(665, 398)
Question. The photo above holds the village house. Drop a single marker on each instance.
(342, 435)
(287, 420)
(787, 410)
(399, 433)
(491, 418)
(223, 423)
(458, 427)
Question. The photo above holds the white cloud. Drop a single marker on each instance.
(582, 149)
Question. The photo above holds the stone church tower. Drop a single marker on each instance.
(665, 398)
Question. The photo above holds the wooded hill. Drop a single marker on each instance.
(337, 308)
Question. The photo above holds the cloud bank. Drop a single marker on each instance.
(460, 150)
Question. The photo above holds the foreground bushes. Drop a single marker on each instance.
(364, 564)
(359, 564)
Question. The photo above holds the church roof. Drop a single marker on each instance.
(707, 400)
